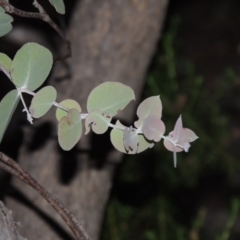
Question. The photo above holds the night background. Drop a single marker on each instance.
(196, 72)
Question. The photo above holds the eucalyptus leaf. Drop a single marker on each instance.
(179, 139)
(153, 128)
(5, 62)
(7, 108)
(43, 101)
(70, 130)
(98, 121)
(110, 98)
(58, 5)
(31, 66)
(68, 103)
(151, 106)
(5, 22)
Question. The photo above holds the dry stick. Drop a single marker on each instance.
(41, 15)
(13, 168)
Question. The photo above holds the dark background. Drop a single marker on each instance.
(196, 72)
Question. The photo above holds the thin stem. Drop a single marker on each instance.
(13, 168)
(61, 106)
(41, 15)
(116, 127)
(24, 90)
(29, 116)
(55, 103)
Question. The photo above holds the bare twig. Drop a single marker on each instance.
(41, 15)
(13, 168)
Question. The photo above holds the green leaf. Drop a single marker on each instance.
(5, 62)
(151, 106)
(70, 130)
(117, 136)
(7, 108)
(59, 5)
(43, 101)
(5, 22)
(98, 121)
(110, 98)
(68, 103)
(31, 66)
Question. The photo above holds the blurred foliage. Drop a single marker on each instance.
(199, 200)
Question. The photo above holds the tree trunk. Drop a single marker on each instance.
(7, 225)
(111, 41)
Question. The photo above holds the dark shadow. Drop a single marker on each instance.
(101, 145)
(42, 134)
(70, 161)
(68, 165)
(142, 191)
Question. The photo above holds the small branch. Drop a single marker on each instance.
(25, 109)
(41, 15)
(13, 168)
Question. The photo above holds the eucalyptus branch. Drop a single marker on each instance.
(44, 17)
(104, 102)
(13, 168)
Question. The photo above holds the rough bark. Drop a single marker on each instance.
(7, 225)
(111, 41)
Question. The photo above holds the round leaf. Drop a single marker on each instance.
(110, 98)
(70, 130)
(5, 22)
(59, 5)
(43, 101)
(98, 121)
(68, 103)
(7, 108)
(151, 106)
(31, 66)
(153, 128)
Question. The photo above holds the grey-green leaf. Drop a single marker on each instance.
(7, 108)
(5, 22)
(68, 103)
(43, 101)
(5, 62)
(151, 106)
(59, 5)
(31, 66)
(70, 130)
(110, 98)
